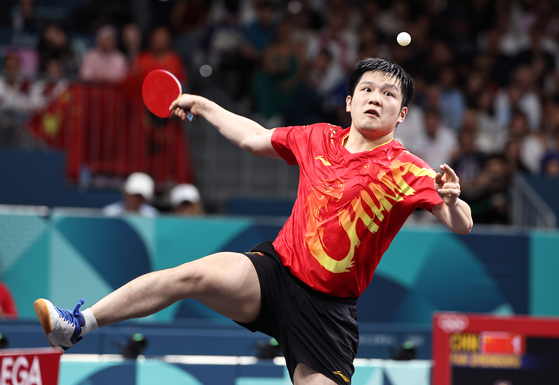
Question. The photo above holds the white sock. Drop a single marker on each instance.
(90, 322)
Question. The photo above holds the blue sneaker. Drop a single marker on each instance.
(62, 327)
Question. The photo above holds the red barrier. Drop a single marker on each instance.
(29, 366)
(107, 128)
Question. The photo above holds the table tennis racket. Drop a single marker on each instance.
(160, 89)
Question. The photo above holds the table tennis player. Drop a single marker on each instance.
(357, 187)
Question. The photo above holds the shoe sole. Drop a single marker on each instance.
(42, 311)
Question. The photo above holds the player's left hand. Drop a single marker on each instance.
(448, 185)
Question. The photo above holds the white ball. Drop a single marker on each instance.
(403, 38)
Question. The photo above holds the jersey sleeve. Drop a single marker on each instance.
(430, 196)
(287, 141)
(425, 186)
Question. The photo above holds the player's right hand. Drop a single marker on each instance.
(183, 103)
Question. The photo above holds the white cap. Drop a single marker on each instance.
(184, 192)
(139, 183)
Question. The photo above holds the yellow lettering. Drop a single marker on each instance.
(397, 189)
(459, 359)
(497, 361)
(494, 361)
(464, 342)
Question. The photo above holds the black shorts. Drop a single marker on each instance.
(312, 328)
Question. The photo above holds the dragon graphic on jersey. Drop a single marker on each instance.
(381, 195)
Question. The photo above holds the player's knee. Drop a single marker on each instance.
(189, 278)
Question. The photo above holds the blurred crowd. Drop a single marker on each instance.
(486, 71)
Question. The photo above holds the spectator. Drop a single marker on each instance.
(475, 84)
(104, 63)
(393, 20)
(491, 207)
(223, 45)
(513, 39)
(160, 56)
(531, 146)
(438, 57)
(138, 190)
(131, 42)
(260, 33)
(275, 86)
(14, 101)
(550, 165)
(342, 45)
(550, 125)
(437, 142)
(186, 200)
(14, 88)
(318, 68)
(460, 37)
(483, 141)
(452, 103)
(467, 163)
(188, 22)
(313, 12)
(487, 122)
(410, 132)
(369, 12)
(24, 19)
(367, 42)
(491, 60)
(520, 95)
(46, 90)
(538, 58)
(54, 45)
(513, 158)
(306, 24)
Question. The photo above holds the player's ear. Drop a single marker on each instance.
(348, 103)
(403, 114)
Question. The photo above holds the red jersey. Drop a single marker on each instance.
(349, 207)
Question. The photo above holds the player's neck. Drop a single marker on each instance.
(356, 142)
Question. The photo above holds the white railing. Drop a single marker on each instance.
(527, 208)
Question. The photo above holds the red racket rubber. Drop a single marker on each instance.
(160, 89)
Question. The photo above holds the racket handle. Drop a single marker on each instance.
(190, 116)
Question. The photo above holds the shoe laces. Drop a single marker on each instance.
(71, 317)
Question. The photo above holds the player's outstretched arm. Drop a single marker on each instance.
(243, 132)
(453, 212)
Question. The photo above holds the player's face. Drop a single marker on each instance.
(375, 105)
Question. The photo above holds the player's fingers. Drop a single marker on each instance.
(449, 191)
(174, 105)
(451, 174)
(179, 112)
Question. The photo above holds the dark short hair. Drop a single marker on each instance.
(389, 68)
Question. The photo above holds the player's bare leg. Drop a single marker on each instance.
(306, 376)
(225, 282)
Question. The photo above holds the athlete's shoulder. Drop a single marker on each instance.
(315, 126)
(316, 131)
(402, 153)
